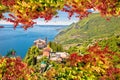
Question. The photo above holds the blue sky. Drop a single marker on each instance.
(61, 20)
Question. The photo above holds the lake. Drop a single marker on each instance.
(21, 40)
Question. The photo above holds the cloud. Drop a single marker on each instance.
(5, 22)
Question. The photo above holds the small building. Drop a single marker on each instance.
(59, 59)
(62, 54)
(40, 43)
(58, 56)
(52, 54)
(46, 51)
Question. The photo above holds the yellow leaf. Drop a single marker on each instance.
(76, 1)
(0, 76)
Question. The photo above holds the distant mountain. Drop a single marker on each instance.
(92, 27)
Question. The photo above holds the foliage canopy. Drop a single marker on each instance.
(25, 11)
(15, 69)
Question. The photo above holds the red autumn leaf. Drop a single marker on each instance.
(12, 16)
(8, 2)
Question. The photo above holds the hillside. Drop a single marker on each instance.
(92, 27)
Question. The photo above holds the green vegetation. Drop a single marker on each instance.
(31, 59)
(11, 53)
(31, 55)
(89, 66)
(77, 49)
(94, 52)
(95, 55)
(0, 56)
(92, 27)
(96, 64)
(34, 52)
(87, 61)
(85, 66)
(113, 43)
(15, 69)
(90, 62)
(55, 47)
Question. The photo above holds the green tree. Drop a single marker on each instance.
(31, 56)
(11, 53)
(56, 47)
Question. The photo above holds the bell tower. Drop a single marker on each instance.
(46, 41)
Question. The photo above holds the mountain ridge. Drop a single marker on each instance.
(92, 27)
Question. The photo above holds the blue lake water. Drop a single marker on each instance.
(21, 40)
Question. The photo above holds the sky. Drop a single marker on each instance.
(61, 20)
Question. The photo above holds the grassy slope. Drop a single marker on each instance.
(89, 28)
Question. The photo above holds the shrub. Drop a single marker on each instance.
(15, 69)
(97, 64)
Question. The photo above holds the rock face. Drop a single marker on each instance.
(92, 27)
